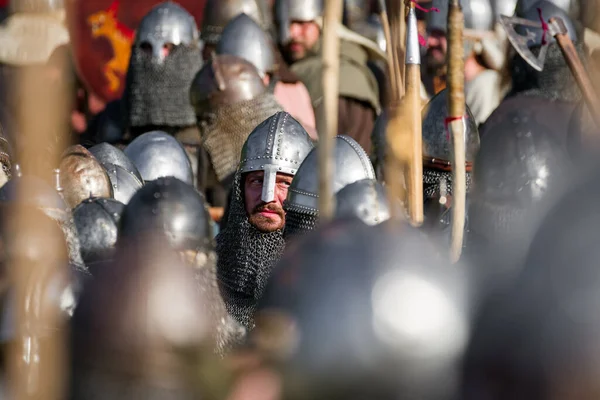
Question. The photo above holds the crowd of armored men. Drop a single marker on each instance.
(199, 267)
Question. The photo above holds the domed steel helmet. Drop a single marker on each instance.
(365, 199)
(157, 154)
(218, 13)
(436, 139)
(166, 24)
(355, 312)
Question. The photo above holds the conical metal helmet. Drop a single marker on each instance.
(549, 9)
(124, 184)
(108, 154)
(81, 176)
(157, 154)
(365, 199)
(351, 164)
(218, 13)
(278, 144)
(437, 140)
(287, 11)
(224, 80)
(244, 38)
(167, 23)
(97, 221)
(171, 208)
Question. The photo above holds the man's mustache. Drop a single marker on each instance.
(268, 207)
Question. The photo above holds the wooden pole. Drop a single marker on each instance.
(331, 66)
(457, 125)
(392, 73)
(37, 357)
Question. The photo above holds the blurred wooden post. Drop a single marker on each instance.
(42, 102)
(457, 127)
(331, 66)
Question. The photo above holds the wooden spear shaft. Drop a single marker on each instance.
(331, 67)
(456, 110)
(392, 74)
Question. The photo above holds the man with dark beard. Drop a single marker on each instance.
(252, 241)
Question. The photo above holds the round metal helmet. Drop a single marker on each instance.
(366, 200)
(355, 312)
(549, 10)
(156, 154)
(82, 176)
(436, 140)
(97, 221)
(108, 154)
(124, 184)
(571, 7)
(36, 6)
(287, 11)
(519, 162)
(278, 145)
(478, 15)
(224, 80)
(244, 38)
(173, 209)
(351, 164)
(166, 24)
(218, 13)
(139, 323)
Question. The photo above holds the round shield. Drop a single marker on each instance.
(102, 32)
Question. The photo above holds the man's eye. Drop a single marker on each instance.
(285, 183)
(257, 181)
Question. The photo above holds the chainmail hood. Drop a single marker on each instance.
(225, 132)
(435, 180)
(158, 94)
(246, 257)
(554, 82)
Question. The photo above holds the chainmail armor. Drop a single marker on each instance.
(298, 223)
(226, 131)
(246, 257)
(158, 94)
(554, 82)
(433, 179)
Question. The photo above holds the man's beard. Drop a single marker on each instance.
(292, 56)
(265, 223)
(434, 65)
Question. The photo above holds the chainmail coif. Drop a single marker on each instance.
(434, 179)
(158, 94)
(298, 223)
(225, 132)
(246, 257)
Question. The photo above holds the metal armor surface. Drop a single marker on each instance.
(108, 154)
(351, 164)
(504, 7)
(166, 24)
(355, 332)
(157, 85)
(478, 15)
(436, 140)
(218, 13)
(223, 81)
(124, 184)
(299, 10)
(365, 199)
(278, 145)
(36, 6)
(170, 208)
(244, 38)
(97, 221)
(173, 208)
(549, 10)
(571, 7)
(82, 176)
(157, 154)
(246, 255)
(518, 173)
